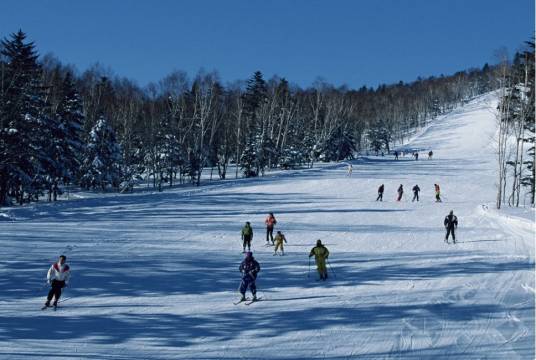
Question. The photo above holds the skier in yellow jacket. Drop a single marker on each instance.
(279, 238)
(321, 253)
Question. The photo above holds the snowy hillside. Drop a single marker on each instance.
(155, 275)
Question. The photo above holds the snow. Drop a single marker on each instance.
(155, 274)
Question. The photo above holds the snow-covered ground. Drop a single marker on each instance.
(155, 275)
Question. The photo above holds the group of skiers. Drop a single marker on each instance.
(416, 190)
(415, 155)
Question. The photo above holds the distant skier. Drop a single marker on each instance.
(279, 238)
(249, 269)
(400, 192)
(270, 222)
(321, 254)
(437, 193)
(416, 190)
(451, 223)
(416, 156)
(380, 193)
(396, 155)
(247, 236)
(430, 154)
(58, 278)
(350, 170)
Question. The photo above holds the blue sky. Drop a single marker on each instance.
(353, 42)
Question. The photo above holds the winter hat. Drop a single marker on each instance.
(318, 242)
(249, 255)
(451, 212)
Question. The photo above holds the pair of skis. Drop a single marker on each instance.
(48, 306)
(247, 301)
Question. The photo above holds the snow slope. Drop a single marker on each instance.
(155, 274)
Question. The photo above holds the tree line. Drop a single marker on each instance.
(516, 135)
(99, 131)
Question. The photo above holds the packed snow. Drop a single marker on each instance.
(155, 275)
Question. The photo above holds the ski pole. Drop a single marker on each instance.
(333, 272)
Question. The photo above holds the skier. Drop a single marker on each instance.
(400, 192)
(247, 236)
(437, 193)
(321, 254)
(380, 193)
(350, 170)
(430, 154)
(58, 278)
(279, 238)
(249, 268)
(416, 156)
(396, 155)
(416, 190)
(270, 222)
(451, 223)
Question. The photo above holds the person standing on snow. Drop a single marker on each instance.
(270, 222)
(321, 254)
(430, 154)
(396, 155)
(437, 193)
(247, 236)
(279, 238)
(451, 223)
(380, 193)
(58, 277)
(400, 192)
(416, 190)
(249, 268)
(350, 170)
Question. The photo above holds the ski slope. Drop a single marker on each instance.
(155, 274)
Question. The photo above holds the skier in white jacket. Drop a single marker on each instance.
(58, 277)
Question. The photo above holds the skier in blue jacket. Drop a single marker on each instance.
(249, 269)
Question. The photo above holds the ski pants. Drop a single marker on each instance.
(450, 230)
(322, 269)
(248, 281)
(437, 198)
(278, 245)
(270, 233)
(247, 242)
(415, 196)
(380, 196)
(55, 291)
(399, 196)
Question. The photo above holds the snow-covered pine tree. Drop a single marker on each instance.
(101, 166)
(340, 145)
(25, 130)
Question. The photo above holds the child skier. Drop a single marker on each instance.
(450, 222)
(437, 193)
(349, 170)
(58, 277)
(247, 236)
(249, 269)
(321, 254)
(400, 192)
(270, 222)
(279, 238)
(416, 190)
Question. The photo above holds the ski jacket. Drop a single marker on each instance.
(247, 231)
(270, 221)
(450, 221)
(380, 189)
(400, 189)
(250, 268)
(280, 238)
(416, 189)
(320, 252)
(436, 188)
(59, 272)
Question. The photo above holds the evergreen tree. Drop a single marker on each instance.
(101, 165)
(339, 146)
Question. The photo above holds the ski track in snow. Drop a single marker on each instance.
(155, 275)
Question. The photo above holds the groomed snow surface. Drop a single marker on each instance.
(155, 274)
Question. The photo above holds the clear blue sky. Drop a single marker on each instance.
(354, 42)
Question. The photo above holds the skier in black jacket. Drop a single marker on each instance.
(249, 269)
(380, 193)
(451, 223)
(416, 190)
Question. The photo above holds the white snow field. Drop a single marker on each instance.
(155, 275)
